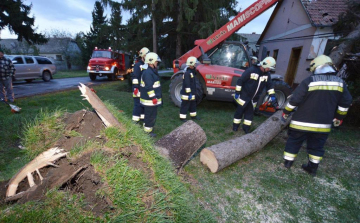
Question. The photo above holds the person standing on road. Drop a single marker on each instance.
(150, 92)
(321, 100)
(248, 88)
(188, 91)
(138, 110)
(7, 71)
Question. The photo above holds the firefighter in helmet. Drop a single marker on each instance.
(248, 89)
(138, 111)
(188, 91)
(254, 60)
(150, 91)
(321, 100)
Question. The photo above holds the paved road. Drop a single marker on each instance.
(23, 89)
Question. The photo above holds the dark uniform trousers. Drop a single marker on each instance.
(248, 111)
(150, 117)
(138, 110)
(190, 106)
(315, 145)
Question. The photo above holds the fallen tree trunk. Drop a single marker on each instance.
(105, 115)
(181, 144)
(221, 155)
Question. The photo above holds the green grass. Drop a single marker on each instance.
(68, 74)
(254, 189)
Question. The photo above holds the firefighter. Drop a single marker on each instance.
(254, 61)
(248, 88)
(321, 100)
(138, 110)
(188, 91)
(150, 92)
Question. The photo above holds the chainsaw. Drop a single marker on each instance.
(14, 108)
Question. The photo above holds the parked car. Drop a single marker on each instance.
(29, 68)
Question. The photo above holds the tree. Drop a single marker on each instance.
(15, 16)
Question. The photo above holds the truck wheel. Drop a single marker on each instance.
(175, 89)
(282, 91)
(46, 76)
(92, 76)
(112, 77)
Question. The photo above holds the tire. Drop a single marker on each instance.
(29, 80)
(112, 77)
(175, 89)
(46, 76)
(282, 91)
(92, 76)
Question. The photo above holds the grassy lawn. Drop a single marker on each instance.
(73, 73)
(255, 189)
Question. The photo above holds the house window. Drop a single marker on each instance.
(59, 57)
(276, 52)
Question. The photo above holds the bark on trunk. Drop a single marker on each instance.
(219, 156)
(181, 144)
(338, 54)
(178, 30)
(154, 27)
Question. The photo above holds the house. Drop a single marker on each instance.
(297, 32)
(63, 51)
(252, 39)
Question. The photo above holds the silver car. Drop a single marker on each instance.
(29, 68)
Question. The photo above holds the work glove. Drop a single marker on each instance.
(154, 101)
(274, 101)
(190, 96)
(136, 91)
(337, 122)
(237, 95)
(284, 117)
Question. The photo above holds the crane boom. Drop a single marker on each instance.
(228, 29)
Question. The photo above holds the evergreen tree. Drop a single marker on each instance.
(15, 16)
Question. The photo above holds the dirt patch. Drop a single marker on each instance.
(76, 175)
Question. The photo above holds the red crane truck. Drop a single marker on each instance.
(227, 60)
(107, 62)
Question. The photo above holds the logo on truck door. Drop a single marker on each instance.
(217, 77)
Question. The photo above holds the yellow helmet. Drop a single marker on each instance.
(191, 61)
(151, 58)
(143, 52)
(268, 62)
(318, 61)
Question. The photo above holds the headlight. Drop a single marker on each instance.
(89, 68)
(107, 68)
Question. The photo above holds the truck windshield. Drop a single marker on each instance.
(230, 55)
(97, 54)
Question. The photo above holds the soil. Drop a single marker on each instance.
(77, 176)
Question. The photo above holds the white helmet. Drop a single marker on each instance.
(268, 62)
(151, 58)
(318, 61)
(191, 61)
(254, 58)
(143, 52)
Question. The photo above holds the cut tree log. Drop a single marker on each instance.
(181, 144)
(44, 159)
(105, 115)
(221, 155)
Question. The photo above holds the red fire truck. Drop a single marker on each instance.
(223, 62)
(114, 64)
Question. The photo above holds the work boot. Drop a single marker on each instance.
(235, 127)
(246, 129)
(151, 134)
(311, 168)
(195, 118)
(288, 163)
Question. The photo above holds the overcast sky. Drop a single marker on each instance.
(75, 15)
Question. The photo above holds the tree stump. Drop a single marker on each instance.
(181, 144)
(221, 155)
